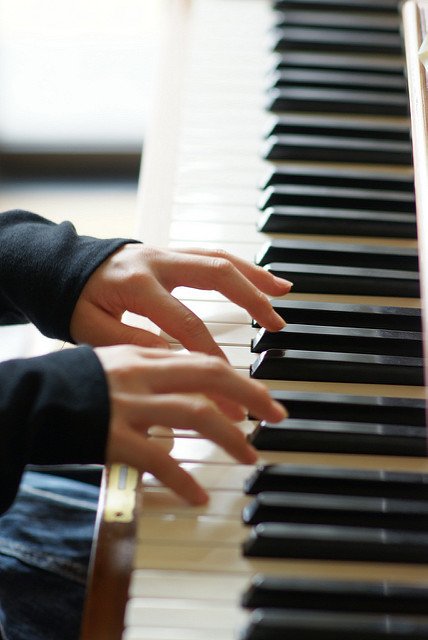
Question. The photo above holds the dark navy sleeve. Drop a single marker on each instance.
(43, 269)
(54, 409)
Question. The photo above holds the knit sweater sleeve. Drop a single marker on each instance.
(43, 269)
(54, 409)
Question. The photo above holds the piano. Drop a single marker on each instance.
(294, 133)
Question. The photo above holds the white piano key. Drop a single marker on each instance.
(220, 148)
(413, 303)
(187, 293)
(201, 450)
(212, 477)
(213, 175)
(171, 584)
(220, 477)
(215, 232)
(221, 171)
(246, 426)
(159, 501)
(213, 212)
(382, 390)
(192, 529)
(222, 311)
(239, 357)
(204, 615)
(244, 250)
(230, 561)
(226, 334)
(169, 633)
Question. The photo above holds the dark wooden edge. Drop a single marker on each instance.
(70, 164)
(111, 564)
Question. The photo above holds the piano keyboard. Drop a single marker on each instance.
(328, 536)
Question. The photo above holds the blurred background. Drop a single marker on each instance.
(75, 80)
(75, 83)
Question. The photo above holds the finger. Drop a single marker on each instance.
(180, 322)
(221, 274)
(232, 409)
(268, 283)
(208, 375)
(102, 329)
(147, 456)
(196, 413)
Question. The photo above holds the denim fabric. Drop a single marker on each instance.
(45, 542)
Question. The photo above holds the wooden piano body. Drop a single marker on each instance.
(200, 186)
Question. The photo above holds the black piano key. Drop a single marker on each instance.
(322, 366)
(332, 149)
(336, 510)
(337, 101)
(334, 480)
(338, 198)
(344, 6)
(341, 62)
(322, 125)
(337, 406)
(326, 279)
(279, 624)
(323, 542)
(336, 80)
(338, 254)
(323, 436)
(338, 20)
(345, 339)
(337, 222)
(335, 595)
(337, 40)
(348, 315)
(352, 177)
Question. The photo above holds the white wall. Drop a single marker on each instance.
(75, 73)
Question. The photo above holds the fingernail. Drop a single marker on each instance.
(160, 344)
(283, 281)
(241, 414)
(200, 498)
(253, 455)
(280, 411)
(278, 321)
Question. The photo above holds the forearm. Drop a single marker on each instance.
(54, 409)
(43, 269)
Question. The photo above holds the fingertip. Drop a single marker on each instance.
(217, 352)
(277, 322)
(159, 344)
(199, 498)
(279, 411)
(153, 342)
(282, 283)
(252, 455)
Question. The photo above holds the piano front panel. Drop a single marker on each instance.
(190, 573)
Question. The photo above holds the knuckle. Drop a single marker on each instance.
(222, 266)
(216, 366)
(222, 254)
(202, 410)
(141, 278)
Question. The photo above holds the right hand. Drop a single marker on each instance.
(189, 391)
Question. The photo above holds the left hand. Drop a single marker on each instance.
(139, 279)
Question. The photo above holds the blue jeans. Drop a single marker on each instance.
(45, 543)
